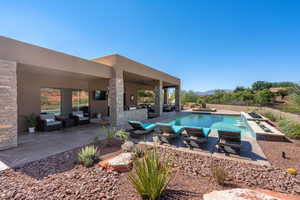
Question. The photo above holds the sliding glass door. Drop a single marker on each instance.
(50, 100)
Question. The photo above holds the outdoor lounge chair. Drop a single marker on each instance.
(168, 132)
(80, 117)
(139, 128)
(229, 141)
(196, 136)
(48, 122)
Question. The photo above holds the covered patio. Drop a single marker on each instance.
(106, 86)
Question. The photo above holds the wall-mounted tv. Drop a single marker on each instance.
(100, 95)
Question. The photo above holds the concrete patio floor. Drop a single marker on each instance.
(37, 146)
(41, 145)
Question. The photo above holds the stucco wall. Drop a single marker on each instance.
(8, 104)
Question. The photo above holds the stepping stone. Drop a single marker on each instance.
(247, 194)
(119, 163)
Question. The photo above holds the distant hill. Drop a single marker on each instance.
(211, 92)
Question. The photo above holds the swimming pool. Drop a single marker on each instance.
(215, 121)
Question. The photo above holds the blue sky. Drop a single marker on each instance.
(208, 44)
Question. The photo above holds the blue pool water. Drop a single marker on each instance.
(215, 121)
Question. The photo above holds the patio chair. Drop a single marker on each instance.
(196, 136)
(168, 132)
(139, 128)
(229, 141)
(48, 122)
(80, 118)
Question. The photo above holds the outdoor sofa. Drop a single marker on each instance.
(48, 122)
(139, 128)
(168, 132)
(196, 136)
(229, 141)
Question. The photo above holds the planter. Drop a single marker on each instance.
(31, 130)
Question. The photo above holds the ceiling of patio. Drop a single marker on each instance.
(138, 79)
(34, 70)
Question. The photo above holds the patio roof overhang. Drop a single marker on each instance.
(135, 70)
(28, 54)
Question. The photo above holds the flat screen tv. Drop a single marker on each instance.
(100, 95)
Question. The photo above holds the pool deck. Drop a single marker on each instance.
(38, 146)
(250, 151)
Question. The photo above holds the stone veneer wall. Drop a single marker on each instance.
(8, 104)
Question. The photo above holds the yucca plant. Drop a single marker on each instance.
(150, 176)
(87, 155)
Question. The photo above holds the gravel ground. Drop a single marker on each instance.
(58, 177)
(273, 151)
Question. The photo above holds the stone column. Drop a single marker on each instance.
(158, 91)
(177, 99)
(8, 105)
(165, 95)
(116, 97)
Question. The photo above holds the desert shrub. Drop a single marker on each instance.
(138, 152)
(87, 155)
(150, 176)
(219, 174)
(270, 116)
(122, 134)
(290, 128)
(201, 102)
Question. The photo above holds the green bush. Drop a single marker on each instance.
(290, 128)
(30, 120)
(87, 155)
(150, 176)
(122, 134)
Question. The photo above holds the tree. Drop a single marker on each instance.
(189, 96)
(239, 89)
(264, 96)
(260, 85)
(283, 93)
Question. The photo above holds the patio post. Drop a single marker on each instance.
(158, 97)
(177, 99)
(116, 95)
(165, 95)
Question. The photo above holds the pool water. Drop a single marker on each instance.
(215, 121)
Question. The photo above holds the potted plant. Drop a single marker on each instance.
(31, 122)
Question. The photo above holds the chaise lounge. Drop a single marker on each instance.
(229, 141)
(139, 128)
(196, 136)
(168, 132)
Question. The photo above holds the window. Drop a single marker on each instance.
(80, 99)
(50, 101)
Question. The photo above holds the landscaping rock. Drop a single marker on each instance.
(128, 146)
(120, 163)
(247, 194)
